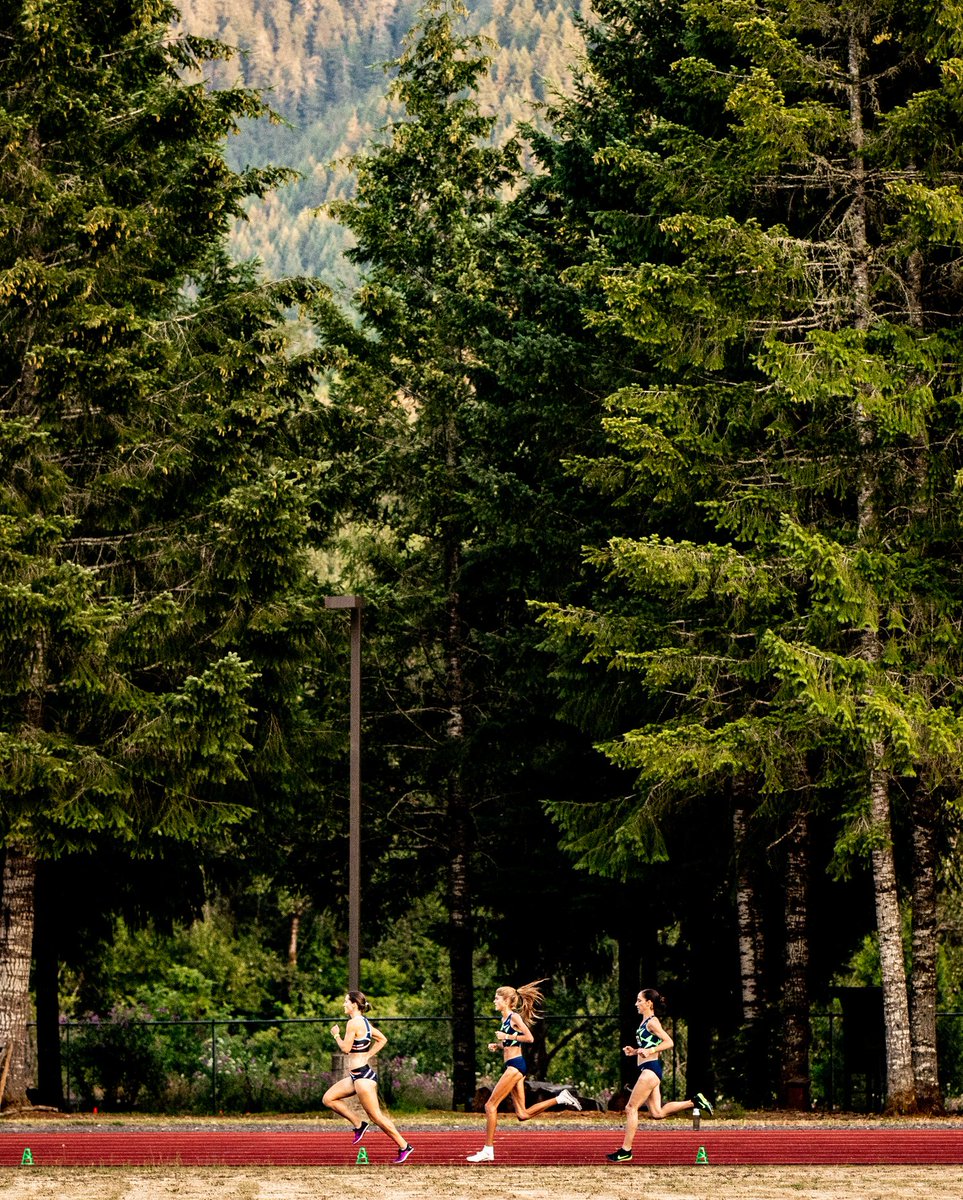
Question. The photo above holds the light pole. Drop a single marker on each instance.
(354, 605)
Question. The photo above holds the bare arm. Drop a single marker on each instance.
(350, 1030)
(521, 1032)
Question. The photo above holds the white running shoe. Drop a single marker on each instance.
(485, 1154)
(566, 1097)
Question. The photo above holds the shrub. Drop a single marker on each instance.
(410, 1090)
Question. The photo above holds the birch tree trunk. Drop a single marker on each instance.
(929, 1096)
(755, 1013)
(794, 1080)
(16, 943)
(748, 920)
(923, 982)
(900, 1093)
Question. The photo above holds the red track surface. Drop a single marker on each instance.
(577, 1147)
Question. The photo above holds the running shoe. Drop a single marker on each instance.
(401, 1155)
(359, 1133)
(701, 1102)
(620, 1155)
(485, 1154)
(566, 1097)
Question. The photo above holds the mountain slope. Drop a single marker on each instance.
(319, 62)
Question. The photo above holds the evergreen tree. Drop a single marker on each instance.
(793, 437)
(456, 409)
(154, 511)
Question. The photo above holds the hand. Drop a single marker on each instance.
(501, 1035)
(628, 1051)
(336, 1033)
(493, 1046)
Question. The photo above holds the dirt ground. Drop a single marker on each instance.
(483, 1183)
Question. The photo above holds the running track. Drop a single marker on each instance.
(578, 1147)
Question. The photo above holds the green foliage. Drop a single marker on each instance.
(811, 422)
(319, 62)
(153, 501)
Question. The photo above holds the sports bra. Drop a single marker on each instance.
(360, 1044)
(508, 1027)
(648, 1041)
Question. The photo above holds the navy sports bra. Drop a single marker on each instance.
(648, 1041)
(359, 1045)
(508, 1027)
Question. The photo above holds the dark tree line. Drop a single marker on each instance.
(645, 462)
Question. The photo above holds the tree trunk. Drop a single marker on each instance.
(701, 1009)
(900, 1089)
(629, 983)
(293, 940)
(461, 934)
(16, 942)
(754, 1036)
(929, 1096)
(794, 1080)
(748, 919)
(47, 984)
(900, 1094)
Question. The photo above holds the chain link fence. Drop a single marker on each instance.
(223, 1065)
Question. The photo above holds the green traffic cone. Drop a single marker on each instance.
(27, 1158)
(701, 1157)
(362, 1157)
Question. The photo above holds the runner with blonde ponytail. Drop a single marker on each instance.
(517, 1007)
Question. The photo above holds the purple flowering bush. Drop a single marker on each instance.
(411, 1090)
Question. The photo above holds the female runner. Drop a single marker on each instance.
(652, 1041)
(360, 1042)
(514, 1030)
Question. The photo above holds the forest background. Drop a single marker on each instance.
(621, 378)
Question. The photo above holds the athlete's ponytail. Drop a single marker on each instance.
(655, 999)
(524, 999)
(359, 999)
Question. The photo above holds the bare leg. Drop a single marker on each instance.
(367, 1090)
(647, 1083)
(518, 1099)
(335, 1095)
(510, 1077)
(659, 1111)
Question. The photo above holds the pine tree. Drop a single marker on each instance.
(153, 512)
(456, 408)
(795, 185)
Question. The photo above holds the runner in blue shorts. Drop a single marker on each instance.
(516, 1007)
(652, 1040)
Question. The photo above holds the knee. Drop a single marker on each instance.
(490, 1109)
(326, 1098)
(656, 1113)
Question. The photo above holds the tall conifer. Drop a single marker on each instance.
(795, 432)
(152, 514)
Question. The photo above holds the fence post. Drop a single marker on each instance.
(214, 1068)
(67, 1064)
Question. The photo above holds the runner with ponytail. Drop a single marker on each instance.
(652, 1040)
(362, 1041)
(517, 1007)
